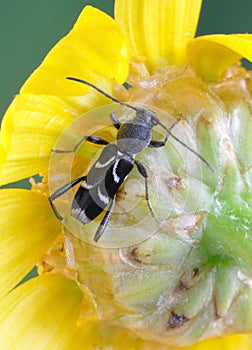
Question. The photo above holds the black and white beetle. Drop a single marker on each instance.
(99, 187)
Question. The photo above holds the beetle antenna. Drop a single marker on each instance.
(169, 133)
(140, 109)
(103, 92)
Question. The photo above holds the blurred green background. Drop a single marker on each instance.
(29, 28)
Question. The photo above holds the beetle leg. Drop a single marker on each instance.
(144, 173)
(63, 190)
(93, 139)
(104, 221)
(157, 144)
(115, 121)
(66, 188)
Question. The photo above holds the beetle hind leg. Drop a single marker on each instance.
(104, 221)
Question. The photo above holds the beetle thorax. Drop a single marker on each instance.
(134, 136)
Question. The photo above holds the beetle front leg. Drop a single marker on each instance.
(93, 139)
(115, 121)
(157, 144)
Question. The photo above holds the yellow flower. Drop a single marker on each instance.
(67, 307)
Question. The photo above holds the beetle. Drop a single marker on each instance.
(99, 187)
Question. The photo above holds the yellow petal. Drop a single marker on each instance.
(158, 30)
(30, 129)
(28, 227)
(104, 335)
(11, 171)
(232, 342)
(95, 45)
(40, 314)
(210, 55)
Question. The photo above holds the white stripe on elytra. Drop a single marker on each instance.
(98, 164)
(86, 186)
(80, 214)
(103, 198)
(115, 176)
